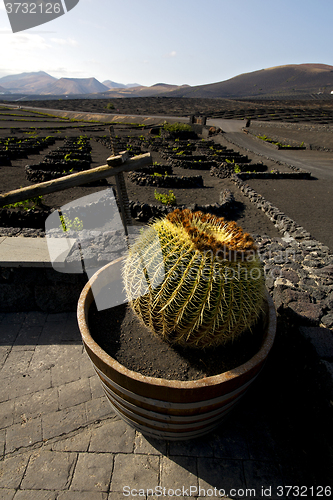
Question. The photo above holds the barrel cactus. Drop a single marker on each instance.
(195, 279)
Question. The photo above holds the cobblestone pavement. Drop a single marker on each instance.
(60, 439)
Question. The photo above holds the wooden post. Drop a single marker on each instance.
(116, 164)
(114, 148)
(121, 186)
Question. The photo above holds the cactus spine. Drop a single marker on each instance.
(207, 288)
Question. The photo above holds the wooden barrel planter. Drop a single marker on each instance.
(161, 408)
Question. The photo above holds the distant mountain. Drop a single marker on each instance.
(115, 85)
(41, 83)
(276, 81)
(142, 91)
(3, 90)
(27, 83)
(293, 80)
(74, 86)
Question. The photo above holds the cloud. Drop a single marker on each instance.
(63, 41)
(18, 43)
(173, 53)
(23, 52)
(63, 72)
(35, 32)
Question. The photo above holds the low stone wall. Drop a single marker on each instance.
(157, 167)
(143, 212)
(166, 181)
(53, 170)
(227, 169)
(23, 219)
(194, 165)
(223, 171)
(26, 232)
(39, 175)
(274, 175)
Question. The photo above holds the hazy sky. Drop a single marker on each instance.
(171, 41)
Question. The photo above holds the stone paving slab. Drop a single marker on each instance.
(93, 472)
(24, 252)
(49, 470)
(24, 434)
(61, 440)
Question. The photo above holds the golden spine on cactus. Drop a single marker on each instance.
(195, 279)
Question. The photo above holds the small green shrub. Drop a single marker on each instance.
(279, 144)
(166, 199)
(27, 204)
(177, 127)
(68, 157)
(67, 224)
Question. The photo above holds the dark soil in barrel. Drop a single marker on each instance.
(125, 338)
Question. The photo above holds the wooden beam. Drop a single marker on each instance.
(121, 185)
(116, 164)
